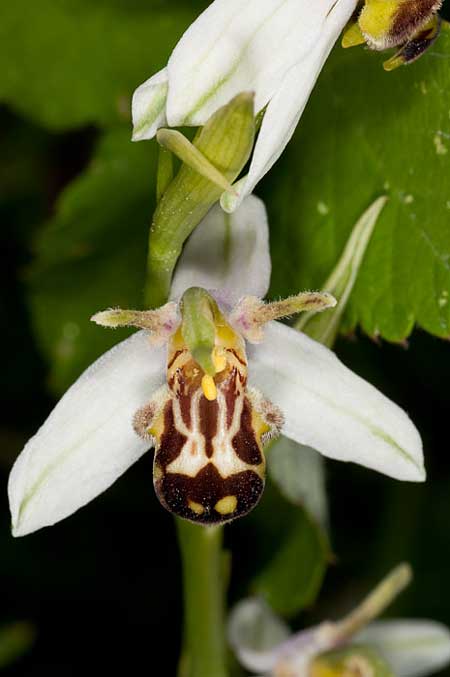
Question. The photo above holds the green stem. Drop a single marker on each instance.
(203, 564)
(225, 144)
(204, 593)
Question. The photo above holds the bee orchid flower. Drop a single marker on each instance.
(209, 379)
(273, 48)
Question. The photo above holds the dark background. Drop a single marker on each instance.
(102, 588)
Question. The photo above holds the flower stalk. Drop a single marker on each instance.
(204, 596)
(165, 172)
(202, 557)
(374, 604)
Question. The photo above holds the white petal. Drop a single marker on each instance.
(148, 106)
(328, 407)
(412, 647)
(255, 634)
(88, 441)
(237, 46)
(288, 103)
(227, 252)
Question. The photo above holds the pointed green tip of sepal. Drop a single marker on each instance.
(180, 146)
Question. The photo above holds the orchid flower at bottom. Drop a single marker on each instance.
(208, 381)
(355, 646)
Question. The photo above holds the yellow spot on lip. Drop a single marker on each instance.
(226, 505)
(196, 507)
(209, 387)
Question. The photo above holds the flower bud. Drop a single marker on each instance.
(217, 155)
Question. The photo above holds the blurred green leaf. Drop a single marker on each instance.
(92, 255)
(15, 640)
(366, 133)
(299, 473)
(67, 63)
(292, 578)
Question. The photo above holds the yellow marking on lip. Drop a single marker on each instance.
(209, 387)
(196, 507)
(157, 473)
(157, 428)
(260, 426)
(226, 505)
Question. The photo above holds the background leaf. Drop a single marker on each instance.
(15, 640)
(366, 133)
(299, 473)
(92, 255)
(290, 573)
(72, 62)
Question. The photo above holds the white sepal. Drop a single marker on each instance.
(229, 253)
(413, 648)
(239, 46)
(329, 408)
(148, 107)
(288, 102)
(88, 440)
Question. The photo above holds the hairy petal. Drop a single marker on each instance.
(238, 46)
(88, 441)
(331, 409)
(413, 648)
(229, 253)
